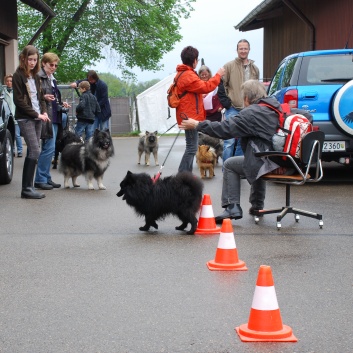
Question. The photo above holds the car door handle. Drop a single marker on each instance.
(310, 95)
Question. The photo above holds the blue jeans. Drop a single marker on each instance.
(192, 140)
(18, 139)
(229, 149)
(64, 120)
(45, 158)
(82, 127)
(100, 125)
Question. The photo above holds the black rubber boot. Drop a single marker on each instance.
(28, 192)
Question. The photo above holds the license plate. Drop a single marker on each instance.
(333, 146)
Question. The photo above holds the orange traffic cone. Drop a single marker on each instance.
(207, 222)
(265, 322)
(226, 258)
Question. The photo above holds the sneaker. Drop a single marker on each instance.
(54, 185)
(19, 154)
(43, 186)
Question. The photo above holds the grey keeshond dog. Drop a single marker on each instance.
(91, 159)
(148, 143)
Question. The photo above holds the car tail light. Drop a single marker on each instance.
(291, 97)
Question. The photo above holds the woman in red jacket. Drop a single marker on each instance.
(191, 88)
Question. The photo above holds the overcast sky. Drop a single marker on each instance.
(211, 30)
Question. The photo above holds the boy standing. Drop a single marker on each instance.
(87, 109)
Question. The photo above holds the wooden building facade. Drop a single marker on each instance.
(301, 25)
(9, 32)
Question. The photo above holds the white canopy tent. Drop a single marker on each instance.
(153, 111)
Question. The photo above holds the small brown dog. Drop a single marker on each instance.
(206, 159)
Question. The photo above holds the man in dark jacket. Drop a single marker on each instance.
(255, 125)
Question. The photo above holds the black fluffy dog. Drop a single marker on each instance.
(65, 138)
(180, 195)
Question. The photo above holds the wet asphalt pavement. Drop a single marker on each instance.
(78, 276)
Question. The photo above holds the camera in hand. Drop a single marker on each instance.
(62, 109)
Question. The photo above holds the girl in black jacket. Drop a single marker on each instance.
(30, 112)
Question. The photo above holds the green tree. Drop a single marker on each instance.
(140, 32)
(121, 88)
(115, 84)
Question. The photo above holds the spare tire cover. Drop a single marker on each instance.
(343, 108)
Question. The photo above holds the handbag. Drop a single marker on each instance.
(47, 130)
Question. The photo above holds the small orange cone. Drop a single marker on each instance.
(207, 222)
(226, 258)
(265, 322)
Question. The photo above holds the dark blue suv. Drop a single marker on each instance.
(321, 82)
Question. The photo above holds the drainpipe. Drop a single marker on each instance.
(291, 6)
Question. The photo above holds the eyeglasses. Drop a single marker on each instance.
(53, 65)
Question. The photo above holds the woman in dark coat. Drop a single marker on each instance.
(54, 104)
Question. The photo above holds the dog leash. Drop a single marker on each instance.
(156, 177)
(183, 116)
(167, 130)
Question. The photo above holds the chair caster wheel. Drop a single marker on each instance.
(297, 218)
(321, 223)
(256, 219)
(279, 226)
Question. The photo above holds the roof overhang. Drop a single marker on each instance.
(42, 7)
(264, 11)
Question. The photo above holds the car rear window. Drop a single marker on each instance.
(326, 70)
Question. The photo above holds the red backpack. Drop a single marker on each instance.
(172, 94)
(291, 130)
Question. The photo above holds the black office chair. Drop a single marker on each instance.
(311, 150)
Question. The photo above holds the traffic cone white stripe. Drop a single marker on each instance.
(207, 222)
(265, 298)
(207, 211)
(265, 322)
(226, 241)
